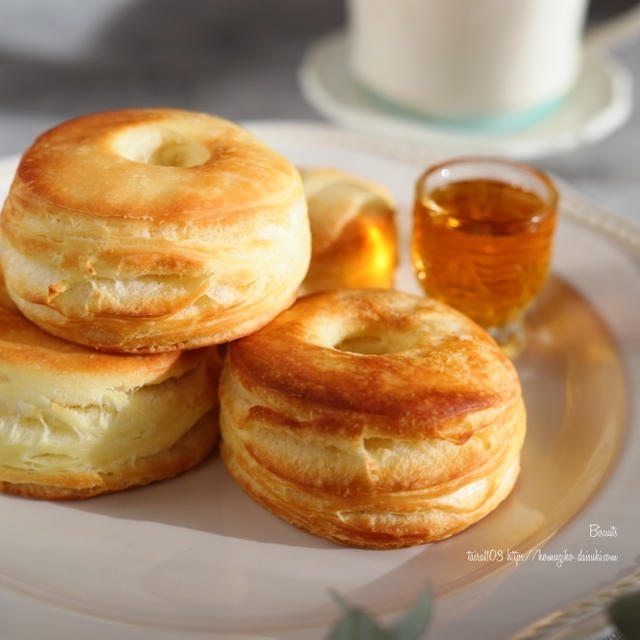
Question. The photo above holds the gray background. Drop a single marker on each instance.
(235, 58)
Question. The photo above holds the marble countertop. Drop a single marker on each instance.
(235, 58)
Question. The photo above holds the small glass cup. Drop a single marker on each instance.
(482, 238)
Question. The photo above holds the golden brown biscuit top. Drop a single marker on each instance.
(157, 164)
(25, 346)
(416, 361)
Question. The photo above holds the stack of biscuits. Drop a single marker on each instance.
(133, 241)
(137, 241)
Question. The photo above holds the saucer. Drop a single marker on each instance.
(599, 103)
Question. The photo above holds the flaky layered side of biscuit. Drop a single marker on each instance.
(153, 230)
(76, 422)
(353, 231)
(374, 419)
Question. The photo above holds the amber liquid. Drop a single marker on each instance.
(482, 246)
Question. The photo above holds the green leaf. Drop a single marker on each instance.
(357, 624)
(414, 623)
(625, 615)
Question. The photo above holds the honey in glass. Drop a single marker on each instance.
(482, 238)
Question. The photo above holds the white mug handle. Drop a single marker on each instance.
(614, 32)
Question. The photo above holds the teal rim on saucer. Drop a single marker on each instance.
(506, 122)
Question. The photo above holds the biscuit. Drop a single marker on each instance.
(372, 418)
(353, 232)
(150, 230)
(76, 422)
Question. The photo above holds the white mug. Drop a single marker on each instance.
(467, 60)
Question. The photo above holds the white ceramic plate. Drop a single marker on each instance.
(599, 103)
(196, 557)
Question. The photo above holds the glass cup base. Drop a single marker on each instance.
(511, 337)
